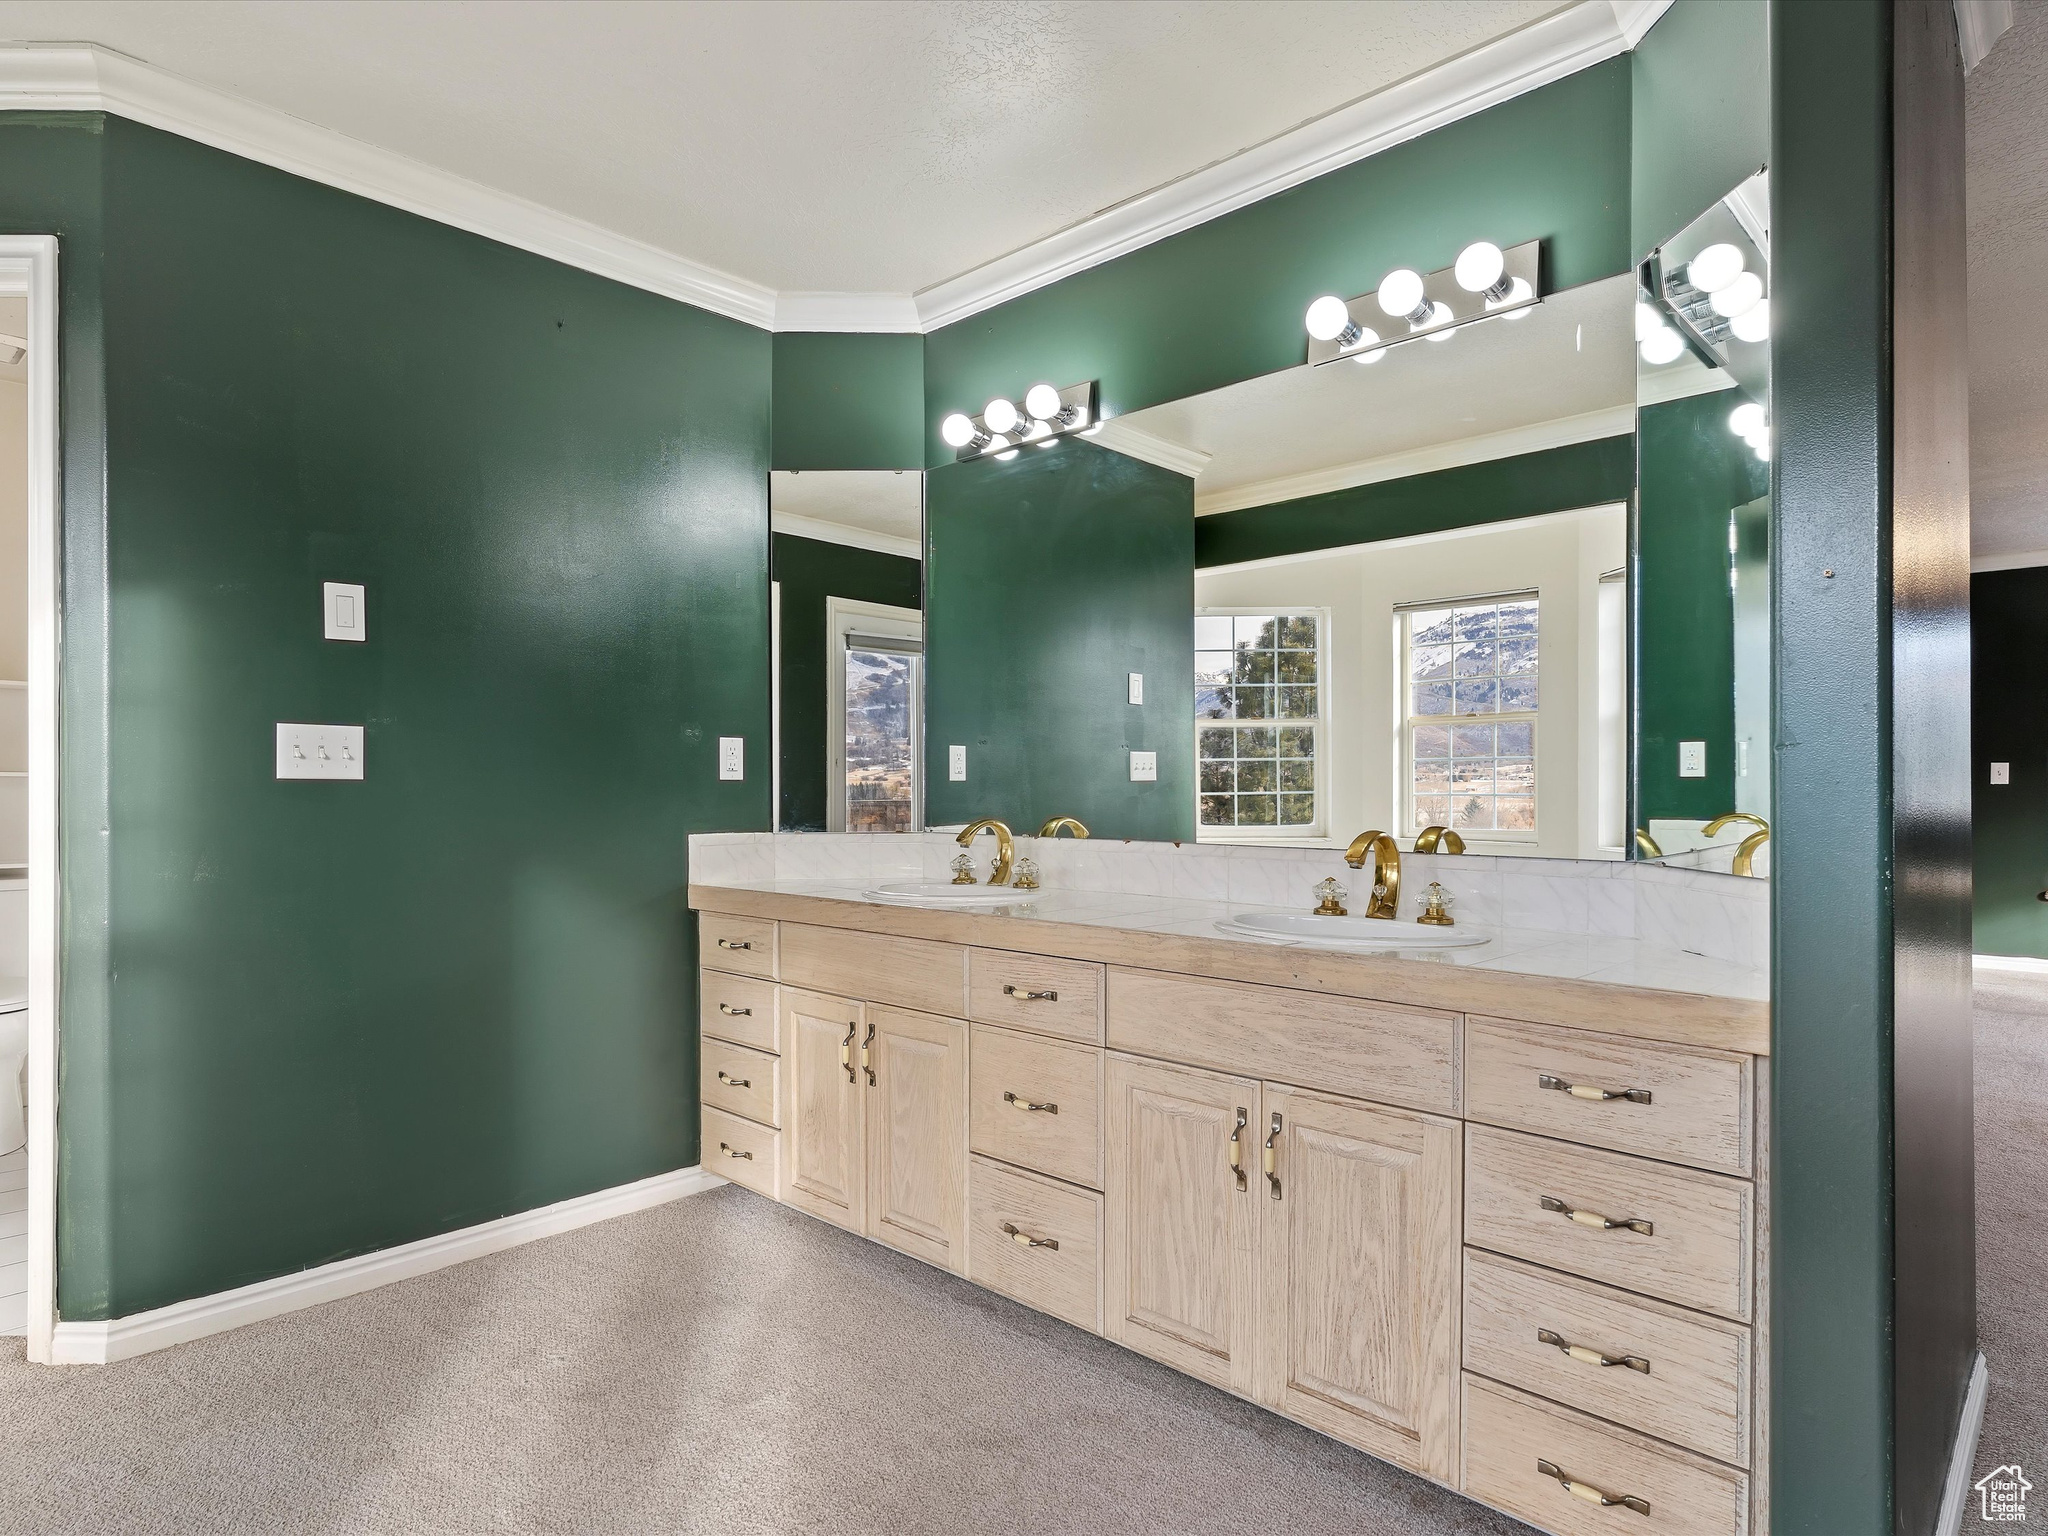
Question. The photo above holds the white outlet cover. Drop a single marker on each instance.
(1692, 759)
(343, 606)
(1144, 767)
(956, 765)
(1137, 687)
(732, 758)
(2001, 773)
(319, 751)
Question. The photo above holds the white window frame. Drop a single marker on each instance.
(1404, 693)
(848, 616)
(1319, 828)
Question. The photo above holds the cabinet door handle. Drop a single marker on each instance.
(735, 1013)
(1026, 1240)
(1023, 995)
(1237, 1145)
(1273, 1156)
(1589, 1493)
(735, 1082)
(728, 1151)
(735, 944)
(1028, 1106)
(867, 1065)
(846, 1050)
(1596, 1220)
(1588, 1091)
(1585, 1356)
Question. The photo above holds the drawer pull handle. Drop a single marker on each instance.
(1026, 1240)
(1595, 1219)
(1585, 1356)
(1588, 1091)
(1273, 1157)
(866, 1063)
(728, 1151)
(1237, 1146)
(735, 1013)
(1025, 995)
(735, 1082)
(1589, 1493)
(1029, 1107)
(735, 944)
(846, 1050)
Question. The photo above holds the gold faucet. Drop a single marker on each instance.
(1438, 840)
(1646, 845)
(1006, 851)
(1052, 827)
(1745, 854)
(1715, 827)
(1386, 871)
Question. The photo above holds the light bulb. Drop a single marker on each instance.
(1753, 324)
(1080, 417)
(1401, 295)
(1648, 321)
(1329, 319)
(1662, 348)
(1370, 354)
(958, 430)
(1518, 292)
(1480, 268)
(1006, 455)
(1037, 429)
(1746, 419)
(1042, 401)
(1714, 268)
(999, 415)
(1742, 293)
(1440, 316)
(1762, 445)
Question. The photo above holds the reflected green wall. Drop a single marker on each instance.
(1700, 115)
(846, 400)
(2009, 705)
(1049, 579)
(808, 571)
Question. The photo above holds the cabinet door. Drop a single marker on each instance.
(915, 1070)
(1358, 1276)
(1179, 1249)
(822, 1103)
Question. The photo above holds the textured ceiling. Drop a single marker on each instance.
(2007, 104)
(837, 145)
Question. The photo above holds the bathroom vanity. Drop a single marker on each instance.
(1506, 1229)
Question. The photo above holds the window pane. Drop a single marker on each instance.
(1516, 813)
(1254, 702)
(1472, 741)
(1255, 630)
(1217, 776)
(1431, 628)
(1255, 741)
(1214, 742)
(1474, 660)
(1297, 741)
(1472, 813)
(1432, 810)
(1432, 741)
(1517, 739)
(1297, 666)
(1212, 633)
(1473, 776)
(1298, 703)
(1432, 698)
(1429, 661)
(1518, 693)
(1477, 623)
(1256, 810)
(1477, 696)
(1518, 655)
(1297, 773)
(1299, 632)
(1515, 775)
(880, 771)
(1297, 810)
(1432, 776)
(1518, 619)
(1216, 811)
(1256, 773)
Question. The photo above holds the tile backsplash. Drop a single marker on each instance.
(1694, 910)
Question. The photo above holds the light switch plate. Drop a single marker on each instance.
(1692, 759)
(2001, 773)
(319, 751)
(732, 757)
(1144, 767)
(343, 606)
(1137, 687)
(956, 765)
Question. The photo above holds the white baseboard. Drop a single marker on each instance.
(1955, 1493)
(2024, 964)
(125, 1337)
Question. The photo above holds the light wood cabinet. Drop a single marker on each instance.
(1358, 1279)
(913, 1069)
(823, 1107)
(1179, 1252)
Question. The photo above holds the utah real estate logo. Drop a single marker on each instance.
(2003, 1491)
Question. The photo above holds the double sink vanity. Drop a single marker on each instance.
(1496, 1214)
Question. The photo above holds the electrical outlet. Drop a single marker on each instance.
(732, 757)
(319, 751)
(2001, 773)
(1137, 687)
(1144, 767)
(956, 765)
(1692, 759)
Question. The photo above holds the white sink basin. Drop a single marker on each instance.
(941, 893)
(1349, 932)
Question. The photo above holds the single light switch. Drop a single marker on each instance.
(956, 765)
(1144, 767)
(1137, 687)
(344, 608)
(2001, 773)
(1692, 759)
(319, 751)
(732, 757)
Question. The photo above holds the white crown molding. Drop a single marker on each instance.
(1547, 50)
(2020, 560)
(869, 312)
(182, 1321)
(795, 523)
(88, 78)
(1979, 24)
(1617, 421)
(1411, 541)
(1668, 384)
(1136, 443)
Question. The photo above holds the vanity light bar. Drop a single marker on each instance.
(1410, 304)
(1005, 426)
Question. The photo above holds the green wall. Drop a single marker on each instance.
(810, 571)
(1700, 113)
(1223, 301)
(1694, 474)
(848, 401)
(303, 1021)
(1526, 485)
(1048, 580)
(2009, 709)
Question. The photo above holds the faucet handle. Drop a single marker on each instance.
(963, 870)
(1332, 899)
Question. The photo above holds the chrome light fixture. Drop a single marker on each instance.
(1048, 414)
(1485, 281)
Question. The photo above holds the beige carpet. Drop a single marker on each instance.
(718, 1365)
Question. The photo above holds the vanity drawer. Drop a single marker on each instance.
(1052, 997)
(1507, 1433)
(910, 973)
(737, 1008)
(742, 944)
(1066, 1280)
(739, 1081)
(742, 1151)
(1697, 1251)
(1063, 1135)
(1690, 1106)
(1695, 1392)
(1382, 1052)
